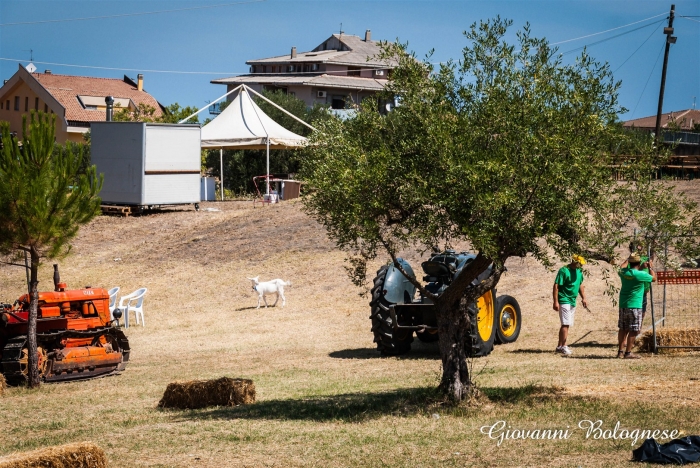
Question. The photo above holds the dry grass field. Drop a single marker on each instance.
(325, 397)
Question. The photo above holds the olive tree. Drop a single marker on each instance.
(509, 149)
(46, 194)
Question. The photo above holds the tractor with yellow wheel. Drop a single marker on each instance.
(397, 314)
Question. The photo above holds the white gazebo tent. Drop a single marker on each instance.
(243, 125)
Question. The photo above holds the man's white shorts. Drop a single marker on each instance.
(566, 314)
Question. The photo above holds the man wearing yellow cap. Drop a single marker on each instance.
(567, 286)
(634, 281)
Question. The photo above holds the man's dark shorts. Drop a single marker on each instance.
(630, 319)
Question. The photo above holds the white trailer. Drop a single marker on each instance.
(147, 164)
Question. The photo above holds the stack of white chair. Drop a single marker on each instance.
(133, 302)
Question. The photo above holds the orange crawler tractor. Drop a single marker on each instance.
(76, 337)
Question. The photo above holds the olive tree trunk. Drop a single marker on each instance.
(453, 332)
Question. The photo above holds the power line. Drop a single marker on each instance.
(608, 30)
(613, 37)
(647, 82)
(124, 69)
(130, 14)
(637, 50)
(689, 18)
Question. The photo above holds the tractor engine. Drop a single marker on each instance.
(76, 336)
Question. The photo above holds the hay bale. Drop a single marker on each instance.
(78, 455)
(671, 337)
(203, 393)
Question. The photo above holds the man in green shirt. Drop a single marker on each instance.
(634, 281)
(567, 286)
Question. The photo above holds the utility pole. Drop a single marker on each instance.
(670, 39)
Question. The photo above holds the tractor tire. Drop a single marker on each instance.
(508, 320)
(482, 327)
(388, 341)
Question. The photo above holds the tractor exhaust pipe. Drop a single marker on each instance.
(56, 277)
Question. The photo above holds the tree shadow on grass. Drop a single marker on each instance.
(360, 407)
(418, 351)
(351, 407)
(521, 394)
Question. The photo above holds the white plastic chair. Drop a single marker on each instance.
(133, 302)
(113, 293)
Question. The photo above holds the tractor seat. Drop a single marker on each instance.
(437, 269)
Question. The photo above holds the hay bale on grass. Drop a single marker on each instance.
(78, 455)
(203, 393)
(671, 337)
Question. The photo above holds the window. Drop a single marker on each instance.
(46, 108)
(338, 102)
(2, 105)
(16, 103)
(7, 105)
(26, 103)
(36, 104)
(354, 71)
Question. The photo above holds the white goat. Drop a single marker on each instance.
(275, 286)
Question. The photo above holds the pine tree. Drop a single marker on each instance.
(46, 194)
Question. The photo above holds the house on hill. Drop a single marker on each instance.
(340, 71)
(681, 128)
(77, 101)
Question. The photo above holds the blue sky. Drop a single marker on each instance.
(215, 42)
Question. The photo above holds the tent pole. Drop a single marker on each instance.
(221, 160)
(208, 105)
(268, 167)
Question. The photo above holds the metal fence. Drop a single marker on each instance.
(675, 302)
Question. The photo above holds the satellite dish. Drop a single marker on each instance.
(30, 68)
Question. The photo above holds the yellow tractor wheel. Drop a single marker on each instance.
(508, 320)
(483, 331)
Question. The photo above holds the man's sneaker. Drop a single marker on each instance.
(564, 350)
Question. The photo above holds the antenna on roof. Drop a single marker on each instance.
(341, 29)
(31, 54)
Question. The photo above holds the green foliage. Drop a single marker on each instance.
(145, 113)
(46, 191)
(509, 149)
(240, 166)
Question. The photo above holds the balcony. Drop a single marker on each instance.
(682, 138)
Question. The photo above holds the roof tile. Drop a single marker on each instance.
(67, 88)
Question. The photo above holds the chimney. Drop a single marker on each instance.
(139, 81)
(368, 35)
(47, 72)
(294, 52)
(109, 100)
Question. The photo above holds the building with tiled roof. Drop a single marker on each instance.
(340, 71)
(686, 120)
(76, 100)
(679, 129)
